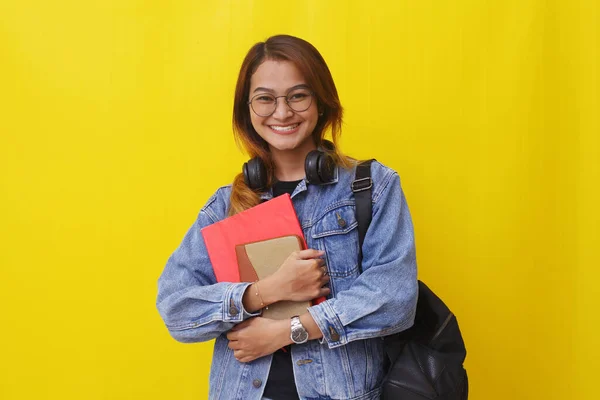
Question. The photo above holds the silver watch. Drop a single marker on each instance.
(299, 334)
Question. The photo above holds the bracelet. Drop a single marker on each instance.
(257, 294)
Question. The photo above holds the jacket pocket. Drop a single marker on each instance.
(337, 234)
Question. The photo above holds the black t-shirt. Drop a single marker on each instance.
(281, 384)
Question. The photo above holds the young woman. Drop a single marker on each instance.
(285, 103)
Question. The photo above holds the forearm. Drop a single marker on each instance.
(261, 294)
(285, 331)
(200, 313)
(311, 326)
(342, 321)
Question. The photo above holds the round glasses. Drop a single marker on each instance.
(264, 104)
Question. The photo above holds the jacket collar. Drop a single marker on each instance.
(302, 186)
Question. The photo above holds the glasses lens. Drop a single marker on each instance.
(263, 104)
(299, 100)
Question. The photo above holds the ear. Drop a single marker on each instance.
(320, 109)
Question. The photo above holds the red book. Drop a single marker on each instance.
(272, 219)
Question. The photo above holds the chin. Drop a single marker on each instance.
(278, 145)
(286, 143)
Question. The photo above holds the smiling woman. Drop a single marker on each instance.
(285, 103)
(291, 68)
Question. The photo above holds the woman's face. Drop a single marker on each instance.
(285, 129)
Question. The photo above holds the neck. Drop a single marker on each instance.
(289, 164)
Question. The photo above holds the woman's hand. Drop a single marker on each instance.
(258, 337)
(301, 276)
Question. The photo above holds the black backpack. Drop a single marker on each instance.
(426, 360)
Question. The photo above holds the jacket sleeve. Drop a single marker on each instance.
(193, 306)
(382, 300)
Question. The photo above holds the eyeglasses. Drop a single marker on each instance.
(264, 105)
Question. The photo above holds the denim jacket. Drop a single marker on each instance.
(349, 361)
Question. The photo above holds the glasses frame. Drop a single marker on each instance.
(311, 93)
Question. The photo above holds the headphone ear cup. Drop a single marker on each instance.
(246, 174)
(326, 168)
(311, 167)
(255, 174)
(319, 168)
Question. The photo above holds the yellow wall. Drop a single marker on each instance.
(115, 129)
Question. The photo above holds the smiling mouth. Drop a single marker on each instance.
(286, 128)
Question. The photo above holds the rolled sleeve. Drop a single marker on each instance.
(233, 306)
(330, 325)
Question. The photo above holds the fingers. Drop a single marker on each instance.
(308, 254)
(242, 325)
(323, 277)
(324, 292)
(316, 263)
(234, 345)
(241, 356)
(232, 335)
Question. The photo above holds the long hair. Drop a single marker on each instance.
(318, 77)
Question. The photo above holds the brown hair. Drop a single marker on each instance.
(314, 69)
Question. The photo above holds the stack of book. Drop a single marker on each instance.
(253, 244)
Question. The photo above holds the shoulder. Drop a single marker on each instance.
(217, 205)
(383, 178)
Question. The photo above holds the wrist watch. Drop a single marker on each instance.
(299, 334)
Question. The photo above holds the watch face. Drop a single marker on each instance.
(299, 335)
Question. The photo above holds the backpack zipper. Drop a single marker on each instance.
(439, 331)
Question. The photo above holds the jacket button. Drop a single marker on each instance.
(341, 221)
(335, 336)
(233, 310)
(256, 383)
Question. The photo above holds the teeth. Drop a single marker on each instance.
(284, 128)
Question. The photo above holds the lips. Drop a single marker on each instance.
(285, 129)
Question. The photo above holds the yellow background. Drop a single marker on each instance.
(115, 128)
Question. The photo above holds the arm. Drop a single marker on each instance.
(258, 337)
(382, 300)
(193, 306)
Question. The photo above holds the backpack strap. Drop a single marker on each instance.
(361, 187)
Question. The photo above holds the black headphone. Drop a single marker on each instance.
(319, 167)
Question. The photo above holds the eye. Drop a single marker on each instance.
(298, 96)
(264, 98)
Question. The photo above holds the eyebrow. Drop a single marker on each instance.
(263, 89)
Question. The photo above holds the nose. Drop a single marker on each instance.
(282, 110)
